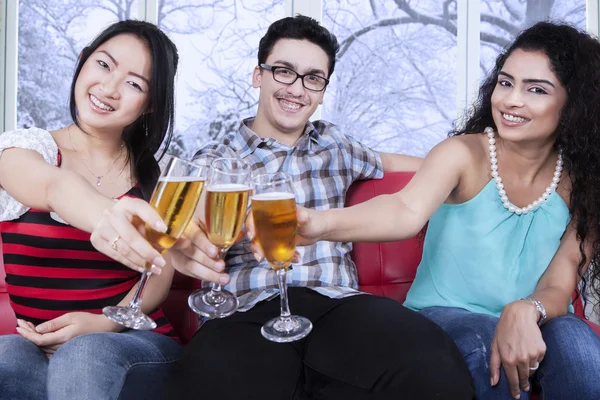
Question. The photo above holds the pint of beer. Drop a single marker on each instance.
(276, 223)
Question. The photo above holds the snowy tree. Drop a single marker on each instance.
(217, 59)
(394, 87)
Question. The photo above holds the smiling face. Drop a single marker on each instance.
(284, 110)
(528, 98)
(113, 87)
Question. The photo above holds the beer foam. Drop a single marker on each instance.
(228, 187)
(273, 196)
(180, 179)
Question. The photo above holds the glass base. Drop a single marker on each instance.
(284, 330)
(129, 317)
(210, 304)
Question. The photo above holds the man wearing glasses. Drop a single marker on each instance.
(361, 346)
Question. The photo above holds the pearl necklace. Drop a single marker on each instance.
(507, 204)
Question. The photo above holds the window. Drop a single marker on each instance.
(394, 87)
(218, 47)
(51, 36)
(502, 20)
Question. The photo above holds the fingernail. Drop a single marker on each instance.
(213, 251)
(155, 270)
(258, 257)
(491, 381)
(19, 329)
(223, 280)
(160, 226)
(159, 262)
(527, 389)
(40, 328)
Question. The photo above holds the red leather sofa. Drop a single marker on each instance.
(385, 269)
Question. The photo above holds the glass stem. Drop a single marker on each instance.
(283, 295)
(216, 287)
(136, 302)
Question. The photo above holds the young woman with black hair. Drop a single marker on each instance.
(121, 103)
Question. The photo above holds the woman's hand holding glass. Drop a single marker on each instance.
(275, 224)
(125, 220)
(174, 199)
(192, 255)
(311, 229)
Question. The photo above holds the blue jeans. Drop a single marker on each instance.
(570, 369)
(127, 365)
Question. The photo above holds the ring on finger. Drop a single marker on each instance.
(113, 244)
(535, 367)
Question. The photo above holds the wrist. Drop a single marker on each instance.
(327, 216)
(538, 308)
(97, 213)
(106, 325)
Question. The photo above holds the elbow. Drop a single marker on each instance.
(53, 191)
(58, 186)
(414, 228)
(408, 221)
(398, 227)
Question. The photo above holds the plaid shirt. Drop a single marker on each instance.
(323, 164)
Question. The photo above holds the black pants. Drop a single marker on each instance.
(361, 347)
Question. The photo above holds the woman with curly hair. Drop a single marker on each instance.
(513, 201)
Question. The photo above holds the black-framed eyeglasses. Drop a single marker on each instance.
(288, 76)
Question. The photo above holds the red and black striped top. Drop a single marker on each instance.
(52, 269)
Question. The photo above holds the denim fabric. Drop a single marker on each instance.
(127, 365)
(570, 369)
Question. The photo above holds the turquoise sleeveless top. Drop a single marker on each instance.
(479, 256)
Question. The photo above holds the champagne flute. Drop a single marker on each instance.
(275, 221)
(175, 198)
(227, 193)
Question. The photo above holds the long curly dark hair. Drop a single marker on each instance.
(575, 60)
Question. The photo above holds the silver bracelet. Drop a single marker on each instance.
(540, 307)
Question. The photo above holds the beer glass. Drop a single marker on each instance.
(175, 198)
(227, 194)
(275, 222)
